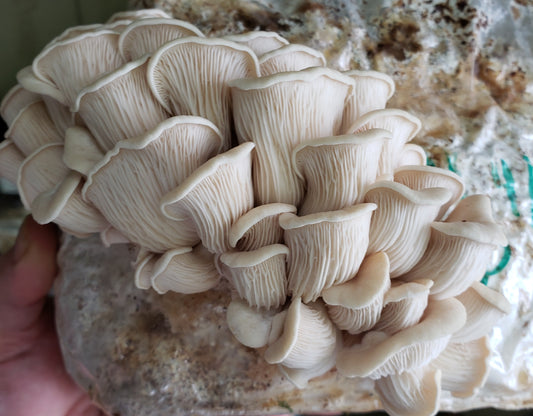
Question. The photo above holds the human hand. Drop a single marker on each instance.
(33, 379)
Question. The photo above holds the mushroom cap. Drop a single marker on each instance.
(338, 169)
(33, 128)
(325, 248)
(411, 155)
(110, 106)
(259, 227)
(64, 66)
(26, 77)
(81, 152)
(308, 337)
(292, 57)
(260, 42)
(421, 177)
(144, 36)
(380, 355)
(191, 75)
(15, 100)
(259, 276)
(214, 196)
(138, 14)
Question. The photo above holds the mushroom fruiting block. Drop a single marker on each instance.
(130, 129)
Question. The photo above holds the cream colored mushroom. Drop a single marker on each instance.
(191, 75)
(251, 326)
(214, 196)
(325, 249)
(33, 128)
(484, 308)
(308, 339)
(422, 177)
(144, 36)
(10, 160)
(380, 355)
(338, 169)
(259, 227)
(127, 184)
(259, 276)
(355, 306)
(412, 393)
(401, 224)
(111, 235)
(144, 266)
(15, 100)
(74, 63)
(259, 41)
(403, 126)
(184, 270)
(372, 91)
(61, 115)
(404, 305)
(110, 106)
(291, 57)
(464, 366)
(313, 101)
(53, 193)
(460, 248)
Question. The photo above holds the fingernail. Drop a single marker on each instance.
(22, 243)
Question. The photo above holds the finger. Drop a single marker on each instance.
(27, 272)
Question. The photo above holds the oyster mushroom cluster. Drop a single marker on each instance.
(245, 158)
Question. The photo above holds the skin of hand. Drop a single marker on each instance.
(33, 379)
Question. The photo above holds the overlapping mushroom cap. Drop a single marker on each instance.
(324, 219)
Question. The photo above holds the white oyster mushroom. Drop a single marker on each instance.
(259, 227)
(53, 193)
(214, 196)
(144, 36)
(422, 177)
(308, 339)
(138, 15)
(259, 276)
(72, 64)
(459, 250)
(381, 355)
(260, 42)
(403, 126)
(355, 306)
(15, 100)
(33, 128)
(415, 392)
(191, 75)
(110, 106)
(312, 100)
(184, 270)
(338, 169)
(127, 184)
(325, 248)
(81, 152)
(372, 91)
(401, 223)
(291, 57)
(26, 77)
(404, 305)
(484, 308)
(411, 155)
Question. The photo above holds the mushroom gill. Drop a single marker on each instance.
(325, 248)
(15, 100)
(260, 42)
(10, 160)
(288, 58)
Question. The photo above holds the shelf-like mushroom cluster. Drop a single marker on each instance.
(246, 158)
